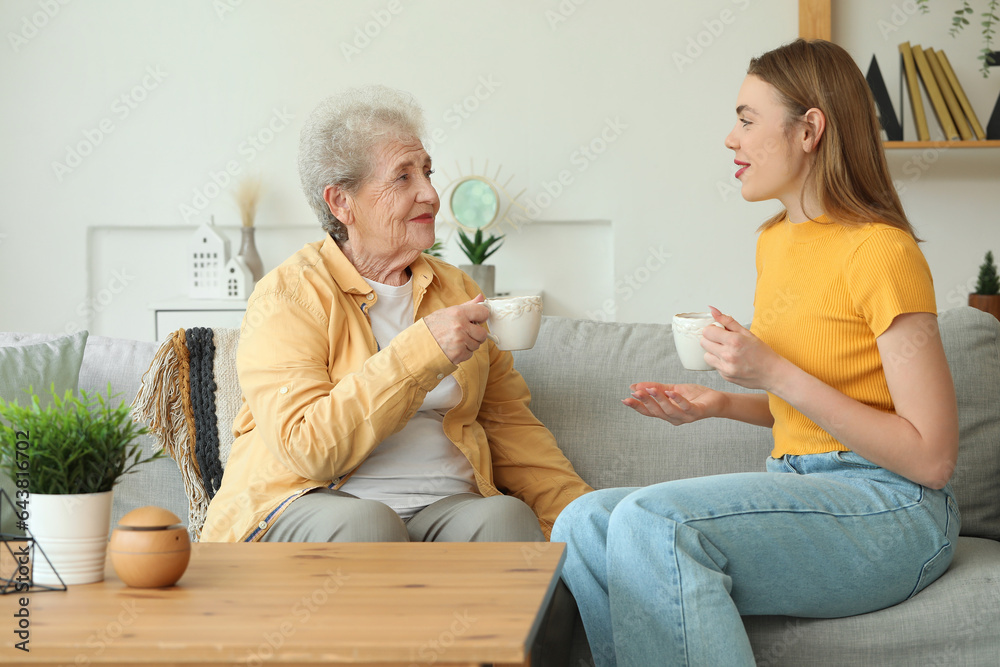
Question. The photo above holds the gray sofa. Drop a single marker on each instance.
(579, 370)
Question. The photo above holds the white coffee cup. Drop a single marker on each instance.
(688, 328)
(514, 321)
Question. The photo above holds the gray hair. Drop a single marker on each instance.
(339, 138)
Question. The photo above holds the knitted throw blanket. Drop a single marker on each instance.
(189, 397)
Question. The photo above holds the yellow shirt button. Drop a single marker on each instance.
(370, 296)
(283, 390)
(262, 525)
(440, 376)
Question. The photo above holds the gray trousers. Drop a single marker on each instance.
(325, 515)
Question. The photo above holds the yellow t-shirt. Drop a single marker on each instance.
(825, 292)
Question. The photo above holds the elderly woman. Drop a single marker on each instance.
(376, 409)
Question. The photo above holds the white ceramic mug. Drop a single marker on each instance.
(688, 328)
(514, 321)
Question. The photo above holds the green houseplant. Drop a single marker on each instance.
(988, 20)
(478, 250)
(435, 250)
(65, 458)
(80, 443)
(987, 294)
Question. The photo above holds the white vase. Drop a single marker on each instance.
(248, 251)
(72, 529)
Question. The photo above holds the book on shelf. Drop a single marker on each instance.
(909, 68)
(963, 100)
(938, 104)
(957, 115)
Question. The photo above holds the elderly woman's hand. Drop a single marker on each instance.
(457, 328)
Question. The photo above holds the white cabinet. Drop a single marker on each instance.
(187, 313)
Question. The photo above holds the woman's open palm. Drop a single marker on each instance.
(675, 403)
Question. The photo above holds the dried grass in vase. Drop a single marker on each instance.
(247, 194)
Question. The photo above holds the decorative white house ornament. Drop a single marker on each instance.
(238, 278)
(208, 254)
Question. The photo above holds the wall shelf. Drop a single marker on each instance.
(990, 143)
(815, 22)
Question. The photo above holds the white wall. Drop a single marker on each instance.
(649, 224)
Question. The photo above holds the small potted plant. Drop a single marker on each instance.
(987, 294)
(478, 250)
(64, 459)
(435, 250)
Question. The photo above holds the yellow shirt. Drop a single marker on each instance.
(825, 292)
(319, 395)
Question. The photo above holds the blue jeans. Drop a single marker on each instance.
(663, 573)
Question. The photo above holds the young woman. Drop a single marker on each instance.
(854, 512)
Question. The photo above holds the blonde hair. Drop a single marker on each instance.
(850, 173)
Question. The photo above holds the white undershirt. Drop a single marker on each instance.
(418, 465)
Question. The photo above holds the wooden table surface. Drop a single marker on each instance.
(302, 604)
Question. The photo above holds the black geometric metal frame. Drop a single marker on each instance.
(886, 114)
(993, 124)
(11, 582)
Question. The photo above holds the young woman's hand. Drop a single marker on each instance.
(738, 355)
(675, 403)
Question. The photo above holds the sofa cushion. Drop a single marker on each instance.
(122, 363)
(951, 622)
(44, 363)
(971, 344)
(580, 370)
(578, 373)
(28, 361)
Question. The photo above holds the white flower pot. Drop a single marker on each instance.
(72, 529)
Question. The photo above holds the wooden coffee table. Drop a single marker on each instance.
(303, 604)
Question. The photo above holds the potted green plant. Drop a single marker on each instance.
(987, 294)
(65, 455)
(478, 250)
(435, 250)
(987, 18)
